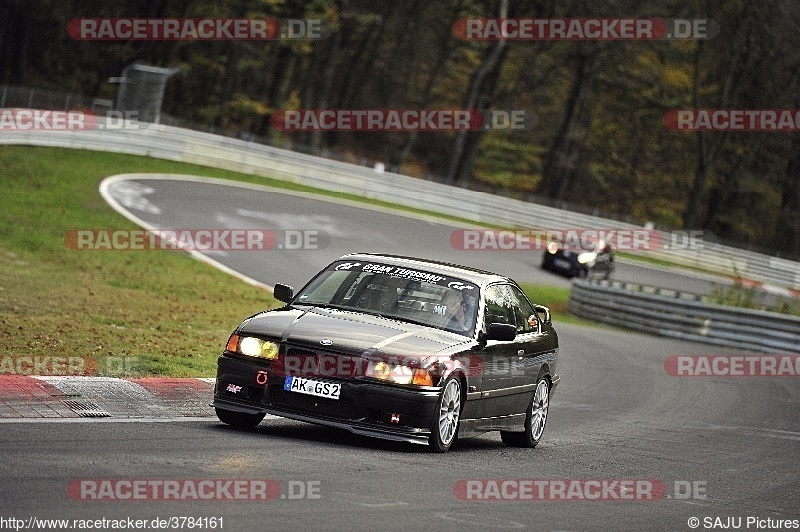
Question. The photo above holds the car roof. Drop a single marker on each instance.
(473, 275)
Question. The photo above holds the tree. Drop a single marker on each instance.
(479, 96)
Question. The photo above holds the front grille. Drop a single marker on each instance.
(341, 408)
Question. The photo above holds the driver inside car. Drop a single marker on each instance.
(455, 310)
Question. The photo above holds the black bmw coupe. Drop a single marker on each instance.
(397, 348)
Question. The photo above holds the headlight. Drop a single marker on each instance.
(253, 347)
(588, 256)
(387, 371)
(552, 247)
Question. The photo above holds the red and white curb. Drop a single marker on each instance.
(32, 398)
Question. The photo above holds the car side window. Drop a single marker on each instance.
(507, 304)
(526, 319)
(498, 306)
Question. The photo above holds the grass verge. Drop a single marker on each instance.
(555, 298)
(134, 312)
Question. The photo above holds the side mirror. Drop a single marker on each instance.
(283, 293)
(504, 332)
(541, 309)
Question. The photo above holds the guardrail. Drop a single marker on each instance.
(166, 142)
(686, 316)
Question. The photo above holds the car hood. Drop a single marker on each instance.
(350, 332)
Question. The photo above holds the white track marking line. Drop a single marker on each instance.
(104, 191)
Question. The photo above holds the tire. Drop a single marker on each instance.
(444, 428)
(535, 419)
(239, 419)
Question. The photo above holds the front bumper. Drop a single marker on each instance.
(364, 407)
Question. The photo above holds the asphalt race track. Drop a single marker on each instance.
(178, 204)
(720, 447)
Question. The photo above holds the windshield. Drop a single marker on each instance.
(399, 293)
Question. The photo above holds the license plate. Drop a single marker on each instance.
(329, 390)
(561, 263)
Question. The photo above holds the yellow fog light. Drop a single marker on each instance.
(381, 370)
(398, 374)
(256, 347)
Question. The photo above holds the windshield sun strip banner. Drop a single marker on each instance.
(407, 273)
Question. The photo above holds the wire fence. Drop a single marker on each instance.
(28, 98)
